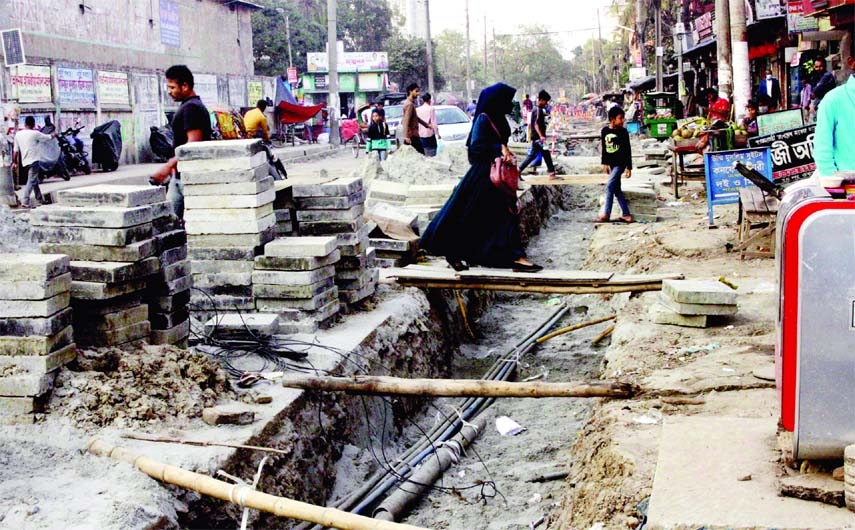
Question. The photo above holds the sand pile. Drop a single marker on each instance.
(407, 166)
(138, 386)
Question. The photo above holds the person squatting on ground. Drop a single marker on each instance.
(479, 224)
(430, 134)
(191, 123)
(28, 144)
(537, 128)
(410, 120)
(379, 131)
(617, 158)
(255, 122)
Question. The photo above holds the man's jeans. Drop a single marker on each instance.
(175, 195)
(32, 184)
(429, 144)
(613, 191)
(537, 147)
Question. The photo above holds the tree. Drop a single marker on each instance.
(270, 39)
(407, 59)
(364, 25)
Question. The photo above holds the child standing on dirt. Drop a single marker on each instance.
(378, 133)
(617, 158)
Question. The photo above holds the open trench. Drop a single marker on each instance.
(337, 441)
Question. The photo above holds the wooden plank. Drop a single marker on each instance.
(531, 287)
(588, 179)
(542, 276)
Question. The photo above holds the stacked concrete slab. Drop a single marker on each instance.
(690, 303)
(337, 208)
(391, 252)
(35, 330)
(295, 278)
(112, 235)
(228, 201)
(283, 206)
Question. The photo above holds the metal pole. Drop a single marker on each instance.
(599, 45)
(288, 36)
(333, 102)
(657, 14)
(679, 31)
(429, 47)
(468, 59)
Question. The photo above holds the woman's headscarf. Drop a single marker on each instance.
(496, 101)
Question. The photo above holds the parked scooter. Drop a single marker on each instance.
(73, 153)
(52, 163)
(107, 145)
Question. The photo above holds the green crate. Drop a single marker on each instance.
(661, 129)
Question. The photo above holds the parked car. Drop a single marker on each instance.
(454, 124)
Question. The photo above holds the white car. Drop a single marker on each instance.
(454, 124)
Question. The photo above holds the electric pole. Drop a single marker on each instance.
(657, 21)
(486, 77)
(332, 54)
(429, 47)
(288, 37)
(741, 75)
(468, 60)
(725, 57)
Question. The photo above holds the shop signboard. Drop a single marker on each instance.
(704, 27)
(170, 23)
(31, 84)
(349, 62)
(796, 19)
(320, 81)
(292, 75)
(779, 121)
(255, 91)
(237, 92)
(76, 87)
(113, 89)
(769, 9)
(791, 151)
(723, 181)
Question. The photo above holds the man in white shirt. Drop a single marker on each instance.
(28, 144)
(769, 92)
(430, 134)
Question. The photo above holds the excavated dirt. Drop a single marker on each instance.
(140, 386)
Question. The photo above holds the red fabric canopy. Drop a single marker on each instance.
(290, 113)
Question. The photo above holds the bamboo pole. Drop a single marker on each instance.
(366, 384)
(606, 332)
(242, 494)
(574, 327)
(201, 443)
(529, 285)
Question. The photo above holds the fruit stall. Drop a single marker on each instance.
(660, 110)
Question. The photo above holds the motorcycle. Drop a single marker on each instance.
(52, 163)
(73, 153)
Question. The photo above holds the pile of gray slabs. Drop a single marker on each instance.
(295, 280)
(337, 208)
(228, 201)
(112, 234)
(35, 331)
(691, 303)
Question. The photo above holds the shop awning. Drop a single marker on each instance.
(698, 47)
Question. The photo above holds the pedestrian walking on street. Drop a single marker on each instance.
(768, 93)
(479, 224)
(824, 81)
(410, 119)
(430, 134)
(537, 129)
(616, 157)
(191, 123)
(28, 145)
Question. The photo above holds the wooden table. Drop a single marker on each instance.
(679, 171)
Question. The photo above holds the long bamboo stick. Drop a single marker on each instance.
(364, 384)
(528, 285)
(201, 443)
(574, 327)
(606, 332)
(243, 495)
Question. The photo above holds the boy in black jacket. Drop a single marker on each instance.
(616, 157)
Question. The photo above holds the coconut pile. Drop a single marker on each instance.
(138, 386)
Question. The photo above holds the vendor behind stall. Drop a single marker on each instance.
(719, 108)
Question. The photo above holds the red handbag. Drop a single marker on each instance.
(503, 174)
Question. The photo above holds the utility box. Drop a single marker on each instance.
(815, 331)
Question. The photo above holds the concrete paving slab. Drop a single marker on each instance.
(26, 385)
(222, 164)
(216, 149)
(296, 264)
(38, 364)
(34, 308)
(283, 292)
(205, 281)
(329, 203)
(697, 309)
(35, 289)
(340, 187)
(229, 201)
(239, 188)
(105, 291)
(36, 345)
(221, 302)
(36, 326)
(696, 484)
(277, 305)
(228, 241)
(292, 277)
(111, 237)
(85, 252)
(698, 292)
(261, 323)
(32, 267)
(113, 320)
(228, 216)
(140, 330)
(321, 228)
(660, 314)
(173, 335)
(113, 271)
(222, 266)
(242, 226)
(350, 214)
(172, 256)
(225, 177)
(166, 304)
(301, 247)
(114, 195)
(94, 217)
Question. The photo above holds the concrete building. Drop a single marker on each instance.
(413, 13)
(98, 60)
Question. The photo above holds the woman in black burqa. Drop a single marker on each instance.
(479, 225)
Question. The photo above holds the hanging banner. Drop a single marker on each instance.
(237, 92)
(255, 91)
(205, 86)
(113, 89)
(170, 23)
(769, 9)
(349, 61)
(146, 91)
(292, 75)
(31, 84)
(796, 19)
(76, 87)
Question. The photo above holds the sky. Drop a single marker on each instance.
(574, 20)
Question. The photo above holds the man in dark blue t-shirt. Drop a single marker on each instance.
(191, 123)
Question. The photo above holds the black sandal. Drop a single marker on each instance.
(457, 264)
(525, 267)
